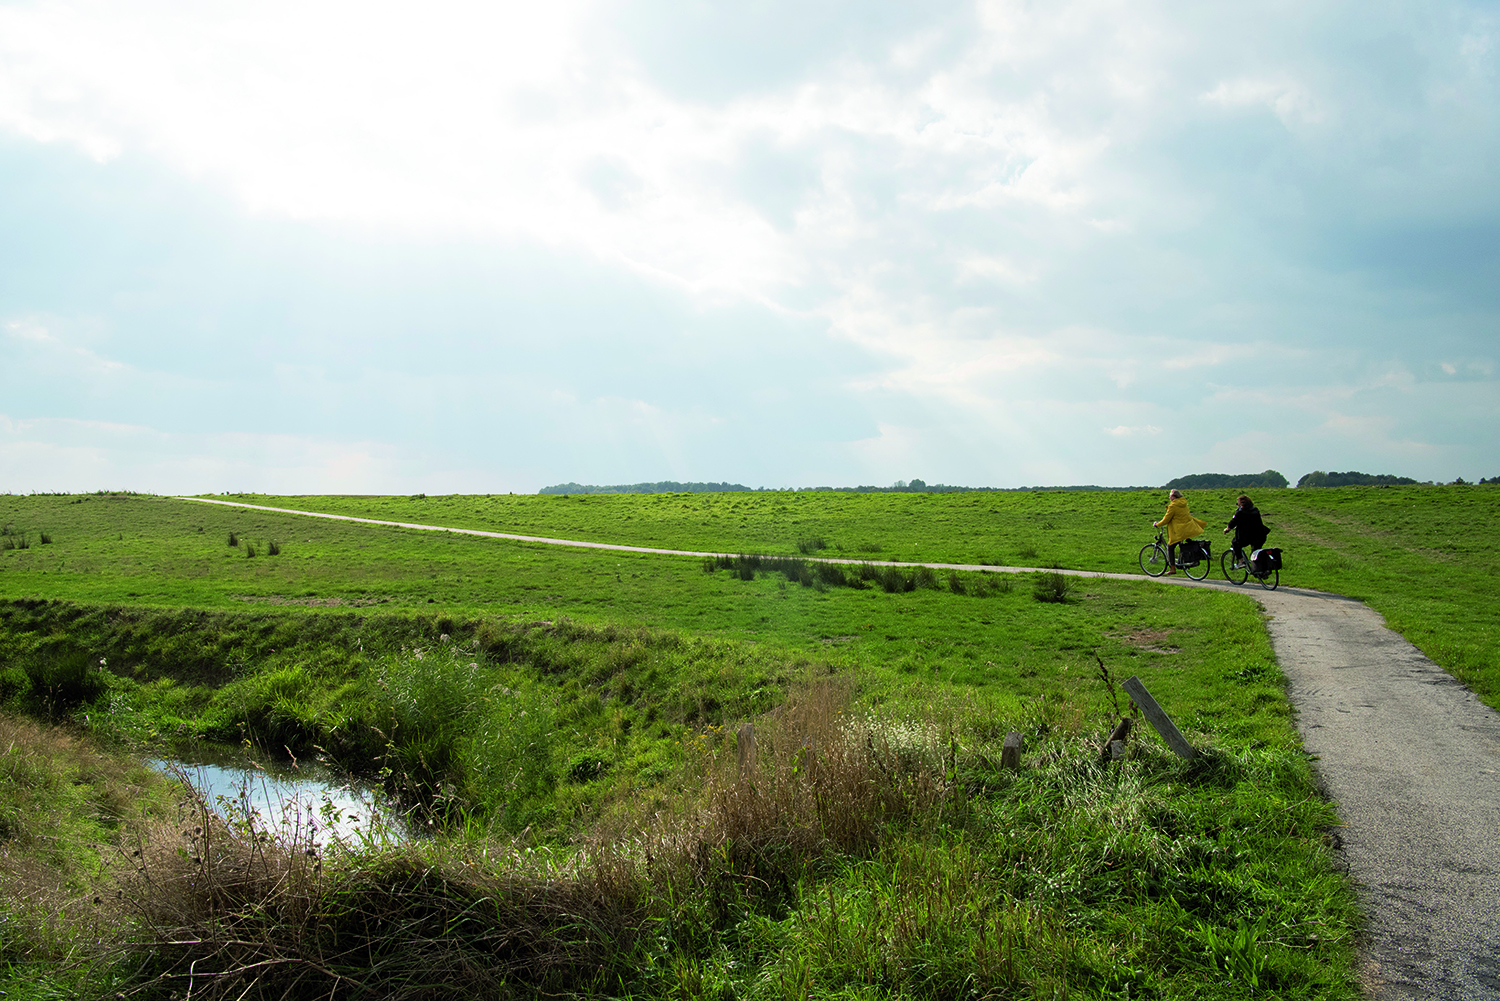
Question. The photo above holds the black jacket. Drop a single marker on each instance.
(1249, 531)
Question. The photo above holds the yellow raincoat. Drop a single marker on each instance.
(1179, 523)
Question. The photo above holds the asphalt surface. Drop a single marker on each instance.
(1410, 755)
(1412, 758)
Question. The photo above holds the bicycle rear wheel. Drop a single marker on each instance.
(1270, 579)
(1199, 570)
(1153, 559)
(1234, 573)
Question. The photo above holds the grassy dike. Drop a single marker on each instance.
(566, 721)
(1423, 556)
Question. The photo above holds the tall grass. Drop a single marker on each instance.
(822, 574)
(840, 852)
(61, 678)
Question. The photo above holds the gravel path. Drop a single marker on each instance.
(1409, 754)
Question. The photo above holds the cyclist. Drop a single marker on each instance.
(1180, 525)
(1249, 531)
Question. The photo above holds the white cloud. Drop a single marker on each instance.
(38, 335)
(1289, 101)
(994, 269)
(27, 330)
(496, 119)
(1004, 214)
(80, 456)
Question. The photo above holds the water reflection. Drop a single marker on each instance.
(299, 803)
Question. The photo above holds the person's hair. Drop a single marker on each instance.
(1175, 493)
(1242, 499)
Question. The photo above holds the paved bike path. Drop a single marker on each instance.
(1410, 755)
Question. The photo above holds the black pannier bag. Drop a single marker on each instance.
(1263, 560)
(1191, 552)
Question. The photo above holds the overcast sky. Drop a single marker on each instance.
(366, 247)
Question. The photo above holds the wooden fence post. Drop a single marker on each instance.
(1121, 731)
(1159, 719)
(1010, 754)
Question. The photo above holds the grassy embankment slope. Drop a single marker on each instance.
(1424, 557)
(1155, 878)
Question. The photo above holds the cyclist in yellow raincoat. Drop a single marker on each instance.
(1180, 525)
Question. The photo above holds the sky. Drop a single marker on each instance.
(328, 246)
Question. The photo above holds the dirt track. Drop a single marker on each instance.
(1411, 757)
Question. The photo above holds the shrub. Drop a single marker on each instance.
(832, 575)
(62, 678)
(814, 781)
(890, 579)
(1052, 587)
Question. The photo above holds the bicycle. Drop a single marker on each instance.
(1153, 560)
(1241, 570)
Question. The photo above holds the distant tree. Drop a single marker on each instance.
(1318, 478)
(1228, 481)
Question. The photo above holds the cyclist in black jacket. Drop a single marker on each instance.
(1249, 531)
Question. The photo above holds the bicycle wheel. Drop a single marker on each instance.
(1270, 579)
(1199, 570)
(1235, 574)
(1153, 559)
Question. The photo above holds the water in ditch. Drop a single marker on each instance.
(297, 802)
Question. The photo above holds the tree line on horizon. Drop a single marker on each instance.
(1268, 479)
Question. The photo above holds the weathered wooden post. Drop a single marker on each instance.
(1117, 736)
(1159, 719)
(1010, 754)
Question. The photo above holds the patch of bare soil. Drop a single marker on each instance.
(1153, 640)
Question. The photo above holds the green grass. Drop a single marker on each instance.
(1422, 556)
(566, 718)
(895, 860)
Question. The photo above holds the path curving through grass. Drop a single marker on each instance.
(1409, 754)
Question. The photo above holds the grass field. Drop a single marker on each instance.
(579, 699)
(1422, 556)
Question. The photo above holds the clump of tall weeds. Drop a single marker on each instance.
(812, 776)
(770, 802)
(822, 574)
(221, 908)
(1052, 587)
(61, 677)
